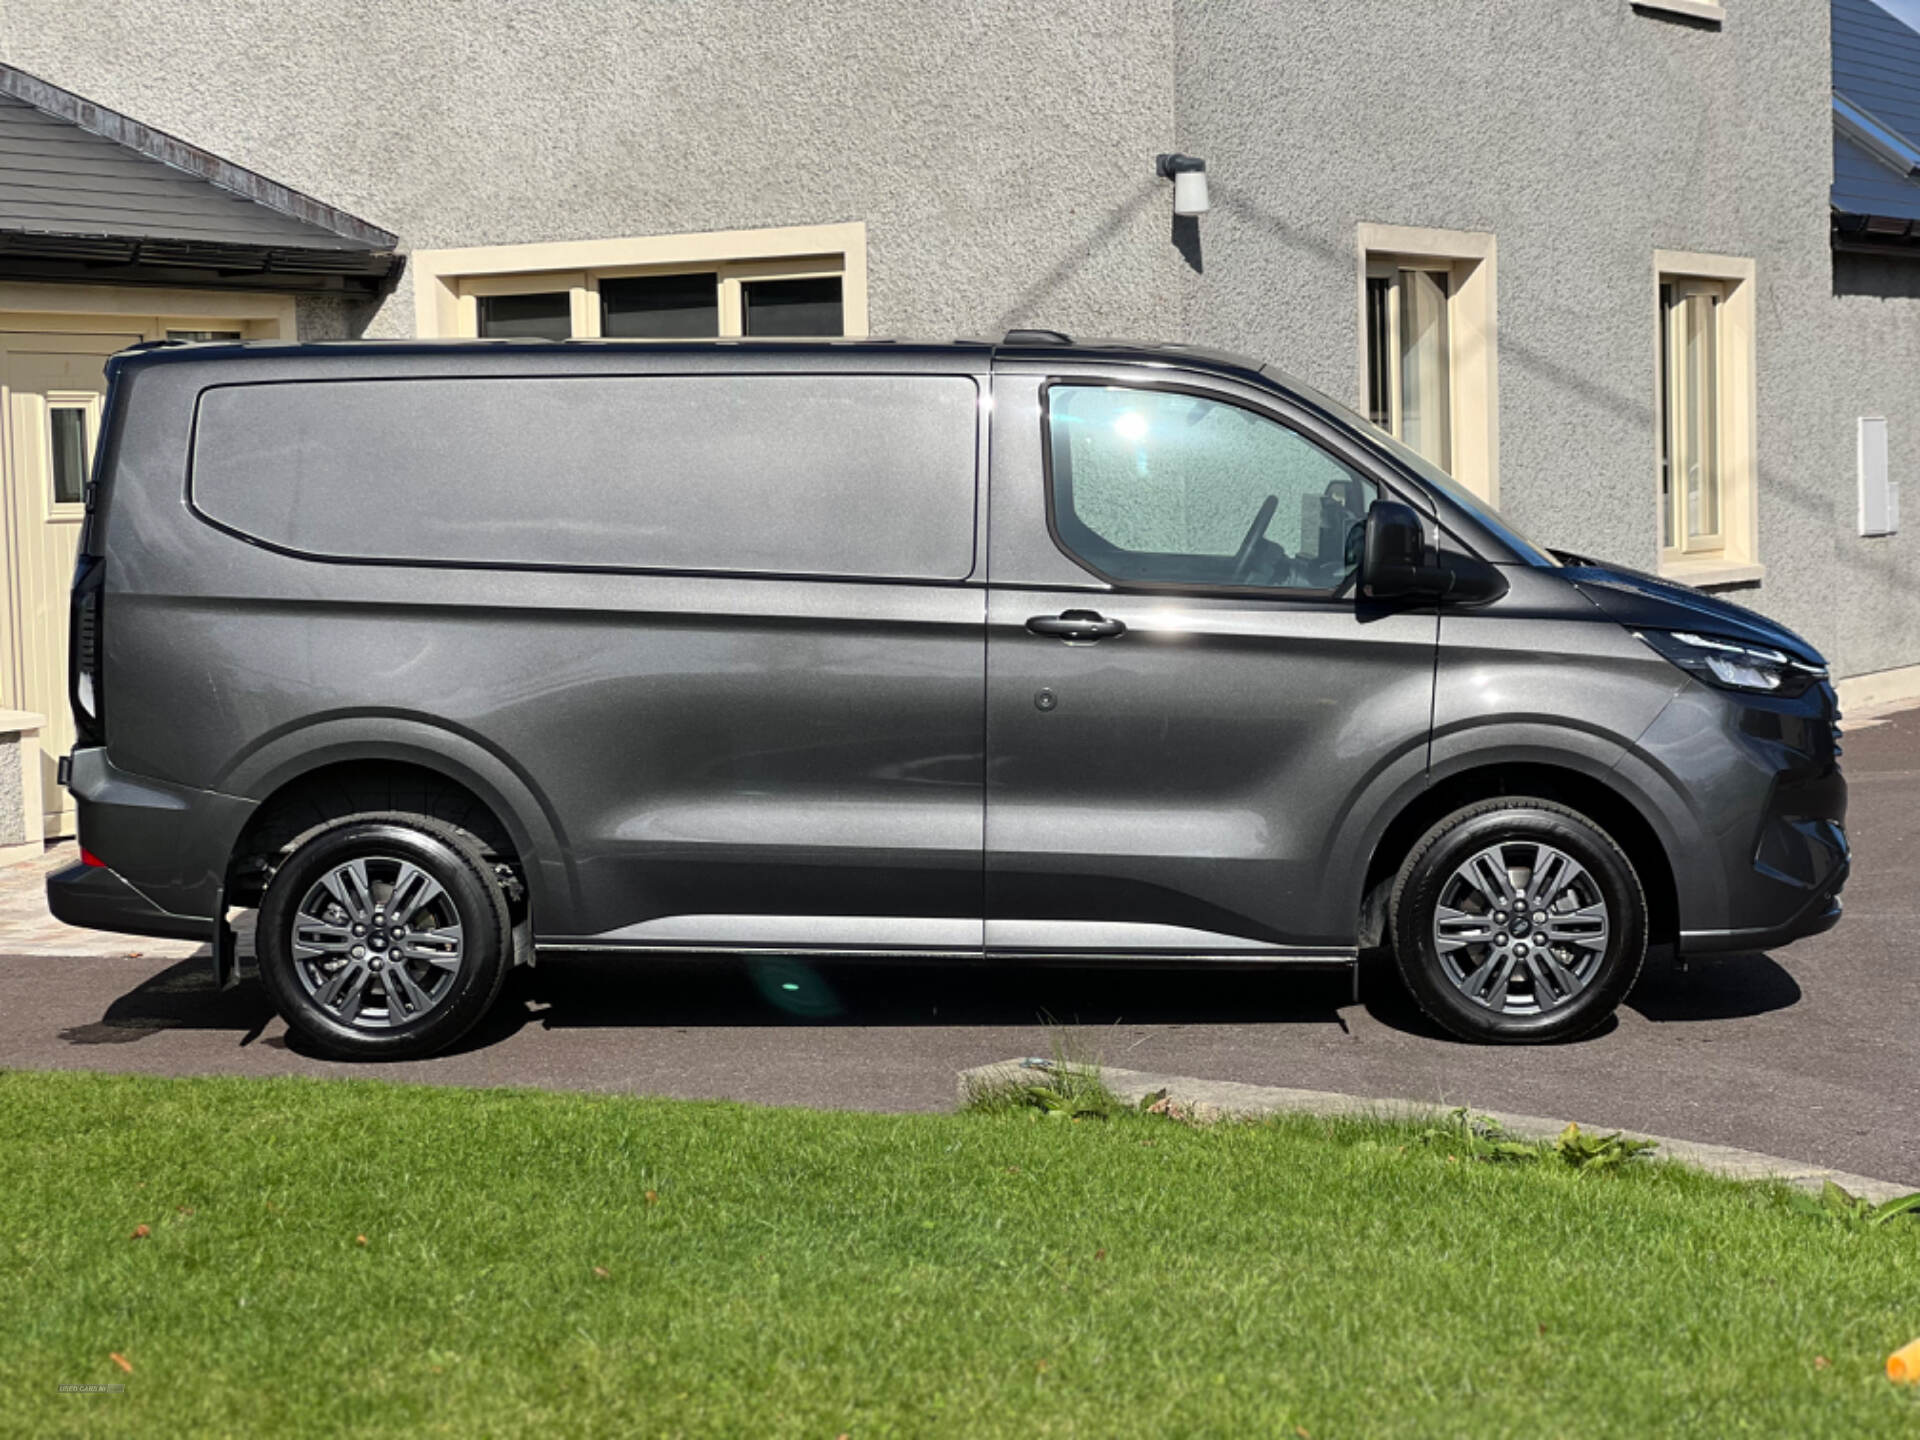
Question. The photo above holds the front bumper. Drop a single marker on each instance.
(1763, 853)
(1820, 914)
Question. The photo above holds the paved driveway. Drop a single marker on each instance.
(1811, 1053)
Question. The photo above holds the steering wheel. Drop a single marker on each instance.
(1243, 557)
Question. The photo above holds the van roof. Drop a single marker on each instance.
(1015, 344)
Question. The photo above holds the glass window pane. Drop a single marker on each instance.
(1702, 417)
(661, 307)
(793, 307)
(1169, 488)
(798, 474)
(68, 453)
(1690, 428)
(1379, 362)
(547, 316)
(1425, 389)
(204, 335)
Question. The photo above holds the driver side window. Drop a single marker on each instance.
(1159, 487)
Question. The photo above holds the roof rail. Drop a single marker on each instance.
(1035, 337)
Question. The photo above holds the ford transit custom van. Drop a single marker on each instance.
(440, 655)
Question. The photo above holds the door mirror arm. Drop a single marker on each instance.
(1472, 581)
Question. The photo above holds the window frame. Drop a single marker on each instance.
(630, 272)
(1470, 260)
(1349, 456)
(735, 276)
(479, 287)
(1710, 13)
(1735, 558)
(448, 283)
(90, 407)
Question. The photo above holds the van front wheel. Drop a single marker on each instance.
(1518, 921)
(383, 937)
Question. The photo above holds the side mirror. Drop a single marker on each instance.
(1393, 555)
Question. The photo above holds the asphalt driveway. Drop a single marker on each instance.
(1810, 1053)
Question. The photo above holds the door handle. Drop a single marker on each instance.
(1077, 625)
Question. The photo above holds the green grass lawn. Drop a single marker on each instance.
(561, 1265)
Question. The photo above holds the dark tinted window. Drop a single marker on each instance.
(793, 307)
(527, 317)
(67, 450)
(661, 307)
(1379, 343)
(808, 474)
(1162, 487)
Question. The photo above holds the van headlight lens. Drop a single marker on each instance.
(1731, 665)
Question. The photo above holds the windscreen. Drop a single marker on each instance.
(1410, 459)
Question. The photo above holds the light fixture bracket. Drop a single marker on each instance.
(1189, 176)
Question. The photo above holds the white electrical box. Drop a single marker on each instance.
(1879, 493)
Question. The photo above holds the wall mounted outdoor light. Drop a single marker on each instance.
(1189, 176)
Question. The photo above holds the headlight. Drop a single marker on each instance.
(1734, 666)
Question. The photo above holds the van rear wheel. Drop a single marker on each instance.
(383, 937)
(1518, 921)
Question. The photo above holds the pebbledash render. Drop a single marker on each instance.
(1584, 254)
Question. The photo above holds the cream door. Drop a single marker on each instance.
(53, 387)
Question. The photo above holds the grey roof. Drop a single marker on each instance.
(76, 177)
(1876, 70)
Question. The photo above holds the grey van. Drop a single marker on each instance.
(440, 655)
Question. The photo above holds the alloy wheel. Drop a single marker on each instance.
(377, 942)
(1521, 928)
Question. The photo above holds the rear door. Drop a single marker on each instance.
(1192, 722)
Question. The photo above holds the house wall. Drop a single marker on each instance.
(1000, 152)
(13, 808)
(22, 802)
(1000, 155)
(1874, 354)
(1584, 137)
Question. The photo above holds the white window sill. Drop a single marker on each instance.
(1707, 571)
(1710, 11)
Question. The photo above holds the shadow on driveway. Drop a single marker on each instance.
(601, 991)
(181, 997)
(1718, 987)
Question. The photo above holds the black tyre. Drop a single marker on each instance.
(384, 937)
(1517, 921)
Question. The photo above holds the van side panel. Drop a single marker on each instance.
(671, 744)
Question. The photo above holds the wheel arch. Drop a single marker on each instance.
(1607, 805)
(348, 766)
